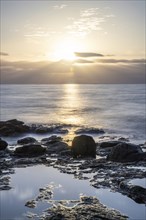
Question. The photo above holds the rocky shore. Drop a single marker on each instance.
(106, 164)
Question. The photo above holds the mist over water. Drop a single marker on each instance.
(115, 108)
(118, 109)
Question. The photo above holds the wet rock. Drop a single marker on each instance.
(123, 139)
(30, 150)
(109, 144)
(26, 140)
(137, 193)
(11, 127)
(46, 193)
(56, 147)
(51, 139)
(3, 144)
(61, 131)
(31, 204)
(83, 145)
(43, 129)
(87, 208)
(15, 122)
(89, 131)
(65, 152)
(144, 145)
(104, 148)
(4, 183)
(125, 152)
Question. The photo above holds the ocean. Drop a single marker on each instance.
(117, 109)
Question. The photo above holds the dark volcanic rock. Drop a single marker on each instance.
(11, 127)
(56, 147)
(125, 152)
(137, 193)
(83, 145)
(3, 144)
(43, 129)
(61, 131)
(51, 139)
(26, 140)
(30, 150)
(89, 131)
(15, 122)
(109, 144)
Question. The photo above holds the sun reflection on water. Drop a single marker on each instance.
(71, 105)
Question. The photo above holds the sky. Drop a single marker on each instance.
(72, 41)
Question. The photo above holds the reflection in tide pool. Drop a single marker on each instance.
(27, 181)
(139, 182)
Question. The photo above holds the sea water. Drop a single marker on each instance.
(118, 109)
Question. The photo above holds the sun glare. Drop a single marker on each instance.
(66, 50)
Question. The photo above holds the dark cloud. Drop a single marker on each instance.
(83, 61)
(88, 54)
(67, 72)
(121, 61)
(4, 54)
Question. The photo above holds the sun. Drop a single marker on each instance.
(66, 53)
(66, 50)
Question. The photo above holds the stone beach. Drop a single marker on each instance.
(111, 164)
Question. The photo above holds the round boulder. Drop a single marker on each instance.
(3, 144)
(56, 147)
(26, 140)
(11, 127)
(125, 152)
(83, 145)
(30, 150)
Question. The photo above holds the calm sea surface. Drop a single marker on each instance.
(118, 109)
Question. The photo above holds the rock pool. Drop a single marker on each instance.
(28, 182)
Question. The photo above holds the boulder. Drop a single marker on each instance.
(43, 129)
(30, 150)
(109, 144)
(89, 131)
(15, 122)
(61, 131)
(3, 144)
(11, 127)
(51, 139)
(26, 140)
(83, 145)
(56, 147)
(126, 152)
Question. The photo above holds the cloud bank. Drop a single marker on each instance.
(83, 71)
(4, 54)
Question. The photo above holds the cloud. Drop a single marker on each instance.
(88, 54)
(59, 6)
(69, 72)
(4, 54)
(89, 20)
(34, 31)
(113, 61)
(83, 61)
